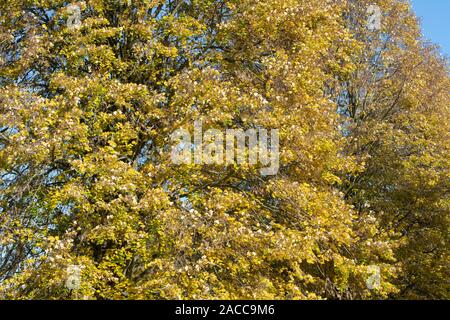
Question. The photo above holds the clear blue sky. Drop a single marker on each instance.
(435, 20)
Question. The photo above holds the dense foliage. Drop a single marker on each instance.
(86, 178)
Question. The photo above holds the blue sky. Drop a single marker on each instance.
(435, 20)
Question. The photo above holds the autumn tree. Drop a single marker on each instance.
(396, 117)
(88, 105)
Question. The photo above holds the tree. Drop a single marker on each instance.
(396, 105)
(88, 105)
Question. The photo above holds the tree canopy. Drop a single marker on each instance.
(90, 93)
